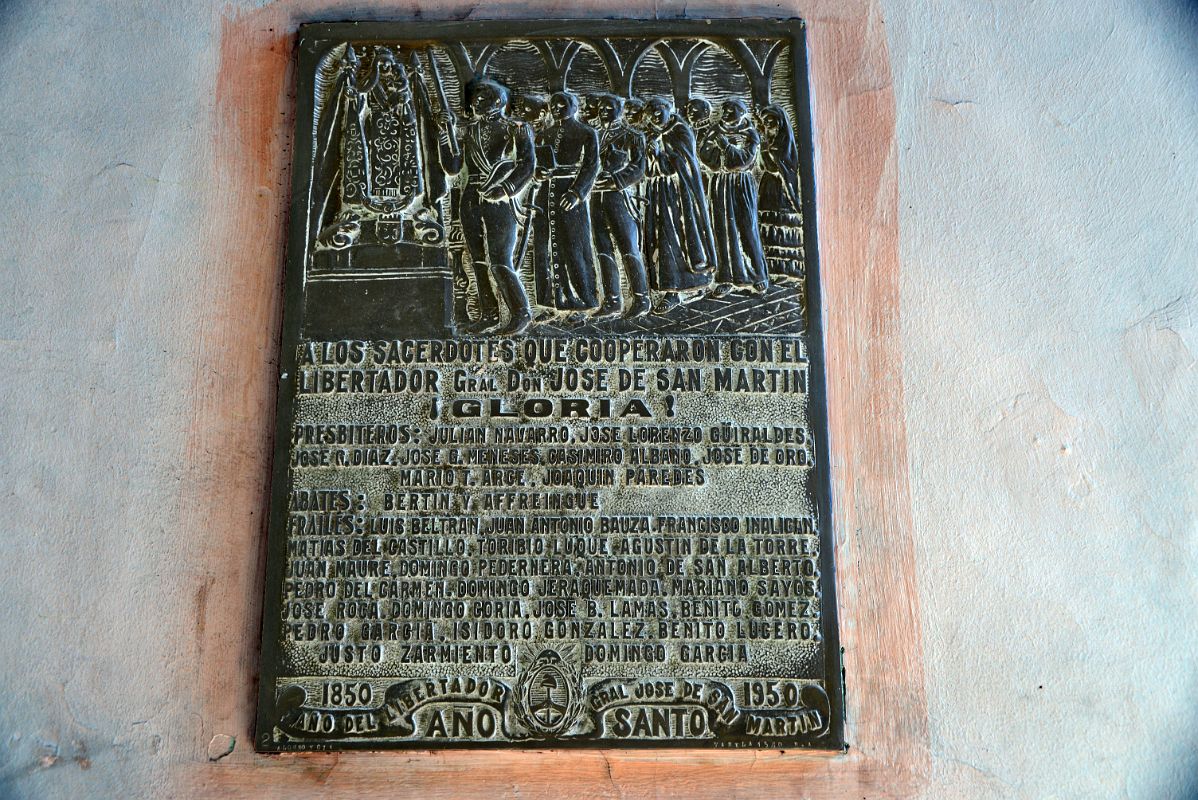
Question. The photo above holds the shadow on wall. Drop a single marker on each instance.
(1187, 11)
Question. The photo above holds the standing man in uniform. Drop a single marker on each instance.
(621, 166)
(497, 154)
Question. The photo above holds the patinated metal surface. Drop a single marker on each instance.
(552, 461)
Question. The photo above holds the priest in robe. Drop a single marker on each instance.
(567, 154)
(730, 152)
(678, 242)
(778, 197)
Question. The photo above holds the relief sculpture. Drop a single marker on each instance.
(376, 154)
(551, 460)
(651, 187)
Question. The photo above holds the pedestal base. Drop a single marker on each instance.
(379, 291)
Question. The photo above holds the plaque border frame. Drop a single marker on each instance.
(311, 40)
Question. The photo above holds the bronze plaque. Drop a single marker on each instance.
(552, 454)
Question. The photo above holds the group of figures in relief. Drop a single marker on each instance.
(619, 206)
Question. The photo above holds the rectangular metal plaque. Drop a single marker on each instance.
(552, 454)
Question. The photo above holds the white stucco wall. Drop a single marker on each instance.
(1049, 218)
(1048, 164)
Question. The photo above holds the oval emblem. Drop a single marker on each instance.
(549, 695)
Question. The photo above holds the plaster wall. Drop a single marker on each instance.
(1042, 349)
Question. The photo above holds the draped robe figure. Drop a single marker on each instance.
(730, 152)
(340, 142)
(778, 196)
(376, 153)
(497, 155)
(678, 241)
(549, 280)
(393, 175)
(567, 165)
(617, 232)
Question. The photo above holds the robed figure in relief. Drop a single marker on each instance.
(781, 213)
(375, 150)
(678, 239)
(549, 279)
(567, 164)
(730, 151)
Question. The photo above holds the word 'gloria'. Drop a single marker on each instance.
(543, 407)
